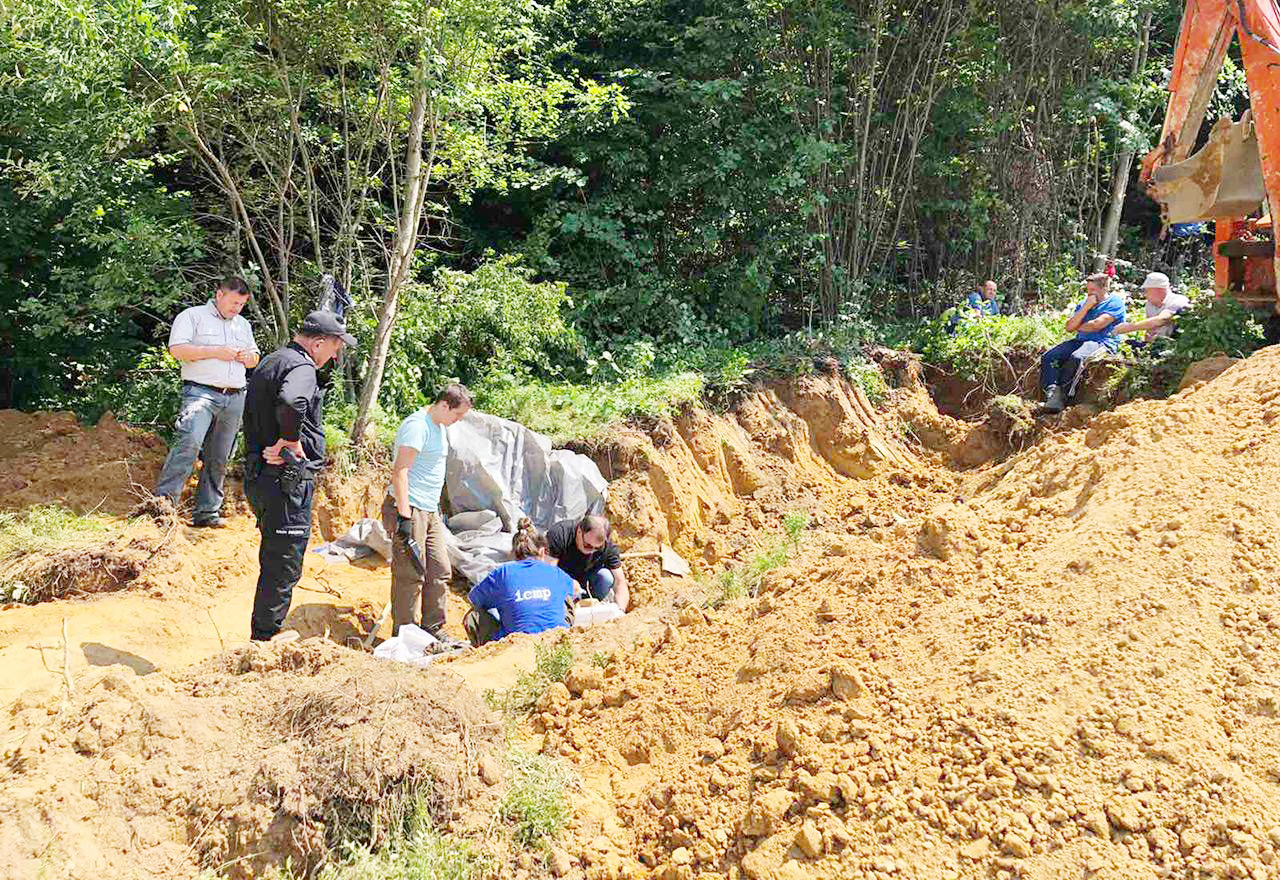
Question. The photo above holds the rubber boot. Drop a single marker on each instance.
(1054, 399)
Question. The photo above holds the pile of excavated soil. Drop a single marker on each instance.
(49, 458)
(1070, 668)
(712, 485)
(258, 756)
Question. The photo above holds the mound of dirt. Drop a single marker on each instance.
(261, 755)
(1071, 669)
(1203, 371)
(49, 458)
(709, 485)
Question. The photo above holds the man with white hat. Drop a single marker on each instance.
(1163, 306)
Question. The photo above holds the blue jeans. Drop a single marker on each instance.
(600, 585)
(1059, 367)
(207, 426)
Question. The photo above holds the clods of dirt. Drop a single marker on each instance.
(1069, 668)
(262, 755)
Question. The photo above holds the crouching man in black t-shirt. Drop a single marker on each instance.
(583, 551)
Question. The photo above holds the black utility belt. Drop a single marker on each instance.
(212, 387)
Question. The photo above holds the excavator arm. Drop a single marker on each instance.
(1238, 168)
(1206, 32)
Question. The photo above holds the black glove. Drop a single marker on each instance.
(404, 534)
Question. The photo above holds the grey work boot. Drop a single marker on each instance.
(1054, 400)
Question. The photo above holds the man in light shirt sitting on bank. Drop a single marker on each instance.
(1162, 308)
(215, 345)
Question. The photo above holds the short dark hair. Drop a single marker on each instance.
(232, 284)
(1100, 279)
(454, 396)
(594, 522)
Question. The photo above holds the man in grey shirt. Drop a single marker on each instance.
(215, 346)
(1162, 308)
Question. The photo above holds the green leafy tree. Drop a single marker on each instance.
(93, 245)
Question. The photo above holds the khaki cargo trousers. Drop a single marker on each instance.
(406, 584)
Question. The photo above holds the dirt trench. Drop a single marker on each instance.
(981, 662)
(1061, 665)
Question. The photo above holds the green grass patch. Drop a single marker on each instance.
(537, 799)
(46, 527)
(569, 411)
(39, 529)
(551, 664)
(424, 853)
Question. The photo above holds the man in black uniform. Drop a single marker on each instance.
(584, 552)
(283, 452)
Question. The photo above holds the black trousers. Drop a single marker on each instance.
(284, 521)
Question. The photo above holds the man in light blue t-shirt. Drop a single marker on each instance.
(1094, 322)
(411, 513)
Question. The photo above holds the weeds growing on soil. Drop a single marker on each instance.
(423, 854)
(46, 527)
(40, 529)
(743, 581)
(551, 664)
(537, 802)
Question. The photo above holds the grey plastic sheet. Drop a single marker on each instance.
(498, 471)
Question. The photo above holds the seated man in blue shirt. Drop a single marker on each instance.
(979, 304)
(982, 303)
(529, 595)
(1094, 323)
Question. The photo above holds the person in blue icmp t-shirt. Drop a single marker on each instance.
(1094, 322)
(529, 595)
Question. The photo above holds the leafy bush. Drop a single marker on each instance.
(868, 377)
(566, 411)
(147, 395)
(338, 419)
(1215, 326)
(977, 349)
(468, 326)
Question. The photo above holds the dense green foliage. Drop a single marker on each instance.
(782, 162)
(1213, 326)
(586, 210)
(977, 349)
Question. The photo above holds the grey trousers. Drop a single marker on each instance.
(408, 588)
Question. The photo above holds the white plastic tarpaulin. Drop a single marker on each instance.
(497, 472)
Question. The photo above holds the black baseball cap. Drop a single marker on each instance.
(320, 323)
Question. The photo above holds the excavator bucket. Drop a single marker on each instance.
(1224, 179)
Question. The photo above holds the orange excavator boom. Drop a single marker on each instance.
(1203, 37)
(1238, 170)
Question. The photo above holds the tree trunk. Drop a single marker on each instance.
(1124, 165)
(406, 240)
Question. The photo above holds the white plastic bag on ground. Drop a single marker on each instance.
(412, 645)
